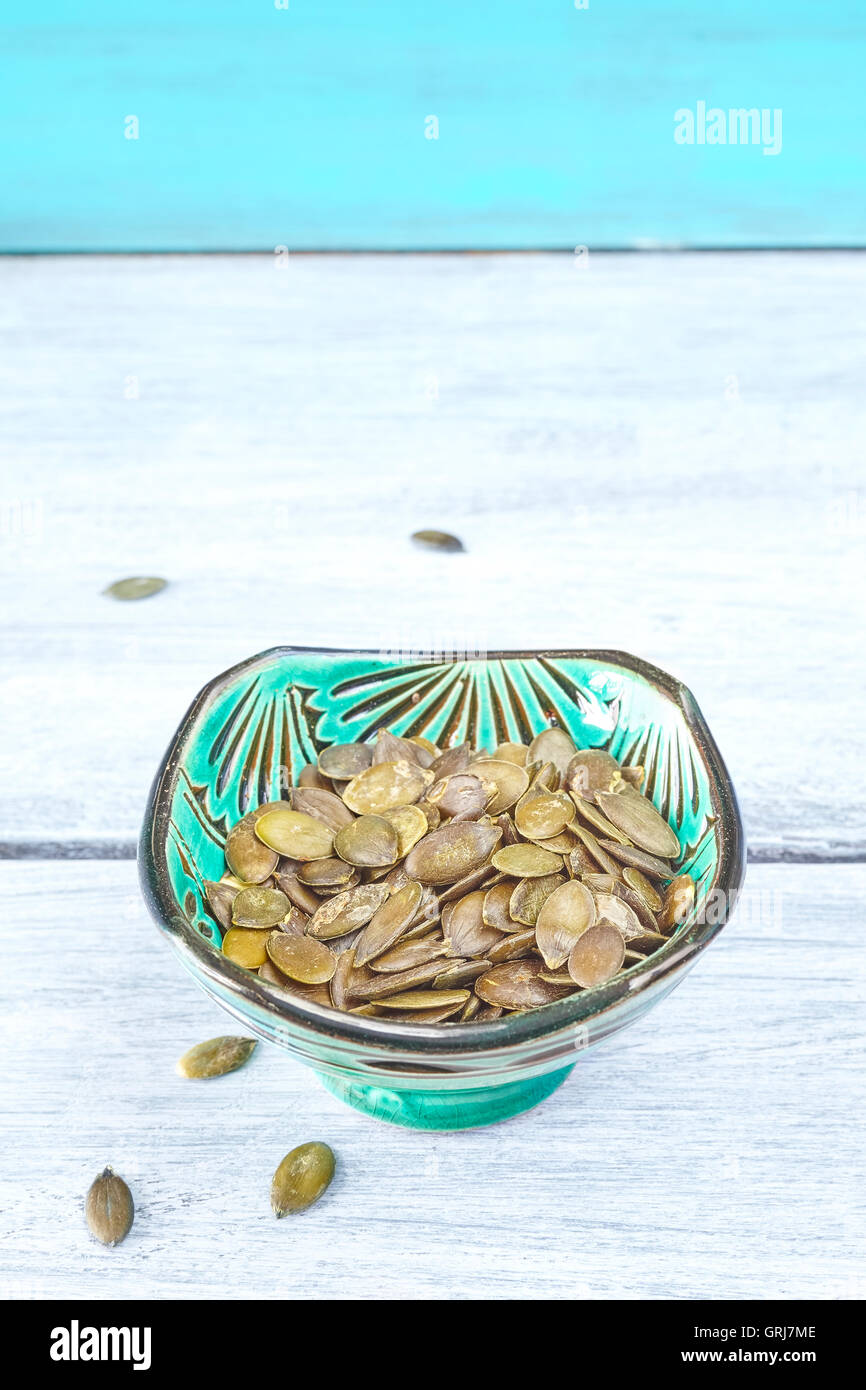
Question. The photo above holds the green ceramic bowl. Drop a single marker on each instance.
(250, 730)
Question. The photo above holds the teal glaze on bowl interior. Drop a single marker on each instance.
(252, 728)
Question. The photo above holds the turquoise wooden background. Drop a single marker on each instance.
(262, 126)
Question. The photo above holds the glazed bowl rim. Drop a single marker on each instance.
(438, 1039)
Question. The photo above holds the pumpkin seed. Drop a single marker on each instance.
(517, 985)
(436, 540)
(216, 1057)
(601, 857)
(386, 786)
(109, 1208)
(468, 933)
(394, 982)
(302, 958)
(259, 907)
(322, 805)
(388, 748)
(636, 816)
(220, 897)
(678, 902)
(426, 999)
(590, 771)
(139, 586)
(544, 815)
(496, 910)
(509, 780)
(649, 864)
(245, 946)
(565, 916)
(343, 761)
(347, 911)
(388, 923)
(513, 946)
(530, 895)
(597, 955)
(552, 746)
(619, 913)
(511, 753)
(296, 834)
(644, 889)
(310, 776)
(246, 855)
(407, 954)
(410, 823)
(451, 761)
(463, 973)
(452, 851)
(462, 794)
(485, 874)
(298, 893)
(302, 1178)
(341, 979)
(527, 861)
(326, 873)
(600, 823)
(370, 842)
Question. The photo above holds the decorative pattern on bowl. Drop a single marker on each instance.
(252, 728)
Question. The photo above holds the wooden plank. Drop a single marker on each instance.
(660, 454)
(709, 1153)
(308, 125)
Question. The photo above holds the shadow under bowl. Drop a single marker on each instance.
(252, 728)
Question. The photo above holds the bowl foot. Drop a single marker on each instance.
(447, 1109)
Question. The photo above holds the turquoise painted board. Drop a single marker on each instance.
(400, 124)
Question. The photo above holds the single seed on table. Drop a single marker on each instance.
(597, 955)
(509, 780)
(259, 907)
(370, 842)
(565, 916)
(385, 787)
(527, 861)
(343, 761)
(436, 540)
(246, 946)
(216, 1057)
(109, 1208)
(301, 958)
(302, 1178)
(637, 818)
(138, 586)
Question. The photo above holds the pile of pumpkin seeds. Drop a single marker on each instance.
(406, 882)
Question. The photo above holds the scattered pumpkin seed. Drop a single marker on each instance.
(216, 1057)
(109, 1208)
(436, 540)
(302, 1178)
(138, 586)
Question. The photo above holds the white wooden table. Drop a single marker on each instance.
(658, 453)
